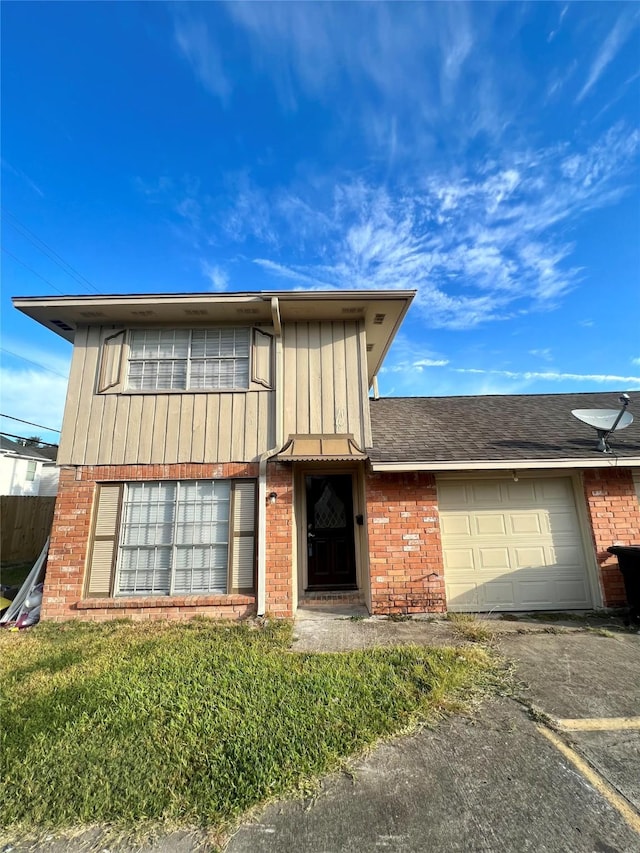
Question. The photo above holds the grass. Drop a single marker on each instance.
(467, 627)
(170, 725)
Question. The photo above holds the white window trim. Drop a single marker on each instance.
(189, 359)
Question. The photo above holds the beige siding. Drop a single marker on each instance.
(325, 379)
(116, 428)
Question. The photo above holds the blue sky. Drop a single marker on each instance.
(486, 155)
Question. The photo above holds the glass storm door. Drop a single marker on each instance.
(330, 541)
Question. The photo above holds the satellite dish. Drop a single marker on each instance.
(605, 421)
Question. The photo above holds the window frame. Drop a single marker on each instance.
(174, 546)
(32, 470)
(189, 359)
(234, 536)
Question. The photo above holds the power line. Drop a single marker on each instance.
(36, 363)
(27, 438)
(22, 263)
(65, 266)
(31, 423)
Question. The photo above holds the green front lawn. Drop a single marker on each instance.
(193, 724)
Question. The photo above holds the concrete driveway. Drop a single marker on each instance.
(504, 780)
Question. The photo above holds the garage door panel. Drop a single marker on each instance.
(572, 592)
(569, 556)
(464, 596)
(452, 495)
(530, 557)
(518, 545)
(536, 594)
(560, 491)
(490, 524)
(483, 493)
(461, 559)
(562, 522)
(493, 558)
(456, 525)
(524, 523)
(498, 595)
(522, 492)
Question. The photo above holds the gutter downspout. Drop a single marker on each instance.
(264, 457)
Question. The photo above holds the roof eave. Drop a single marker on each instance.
(507, 464)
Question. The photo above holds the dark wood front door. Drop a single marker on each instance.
(330, 542)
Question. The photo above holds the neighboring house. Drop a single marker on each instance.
(220, 455)
(27, 470)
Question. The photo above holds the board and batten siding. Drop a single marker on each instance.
(325, 380)
(163, 428)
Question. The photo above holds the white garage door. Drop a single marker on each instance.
(512, 545)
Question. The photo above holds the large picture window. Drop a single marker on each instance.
(183, 359)
(174, 538)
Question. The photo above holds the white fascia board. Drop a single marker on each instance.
(517, 464)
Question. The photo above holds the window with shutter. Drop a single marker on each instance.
(188, 537)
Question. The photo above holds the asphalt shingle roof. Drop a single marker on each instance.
(495, 427)
(47, 454)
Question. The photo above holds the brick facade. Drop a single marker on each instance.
(614, 514)
(280, 558)
(70, 535)
(405, 551)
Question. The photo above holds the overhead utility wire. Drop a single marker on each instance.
(27, 438)
(22, 263)
(31, 423)
(46, 249)
(36, 363)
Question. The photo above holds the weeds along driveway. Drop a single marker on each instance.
(492, 782)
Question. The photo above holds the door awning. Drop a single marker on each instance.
(320, 448)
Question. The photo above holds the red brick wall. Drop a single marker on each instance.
(613, 509)
(405, 551)
(66, 562)
(280, 557)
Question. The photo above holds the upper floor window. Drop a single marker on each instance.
(182, 359)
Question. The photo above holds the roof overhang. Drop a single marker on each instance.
(320, 448)
(507, 464)
(381, 311)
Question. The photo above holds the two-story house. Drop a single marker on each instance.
(220, 455)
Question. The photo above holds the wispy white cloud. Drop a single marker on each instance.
(558, 26)
(24, 177)
(216, 275)
(202, 53)
(480, 244)
(610, 47)
(544, 354)
(552, 376)
(636, 361)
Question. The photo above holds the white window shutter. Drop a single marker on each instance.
(243, 542)
(262, 367)
(103, 548)
(111, 363)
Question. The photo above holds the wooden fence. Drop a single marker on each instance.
(25, 524)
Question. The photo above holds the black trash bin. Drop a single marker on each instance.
(629, 563)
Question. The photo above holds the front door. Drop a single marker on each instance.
(330, 542)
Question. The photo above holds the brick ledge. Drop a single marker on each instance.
(168, 601)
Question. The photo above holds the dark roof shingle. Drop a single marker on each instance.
(495, 427)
